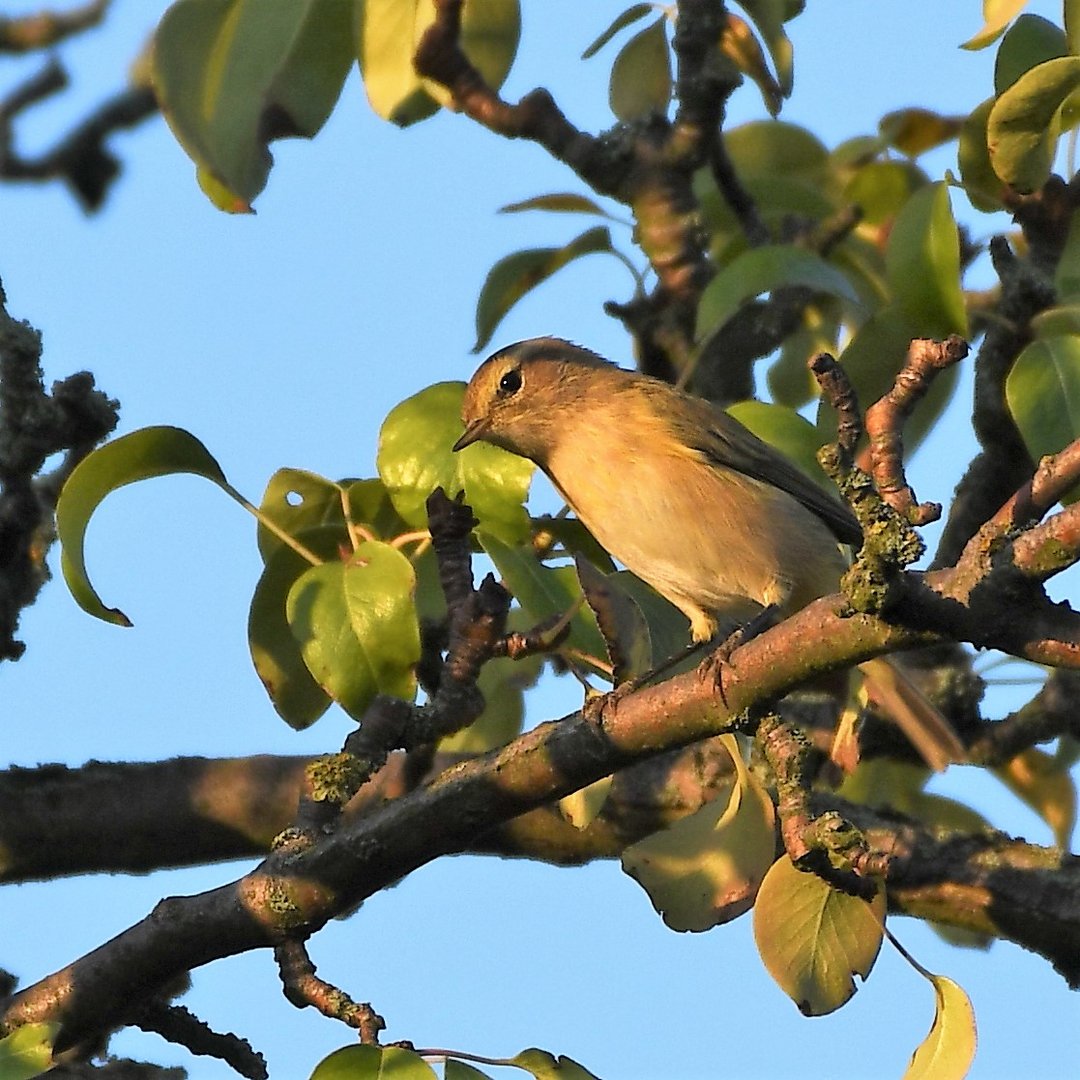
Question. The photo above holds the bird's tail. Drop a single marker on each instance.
(909, 708)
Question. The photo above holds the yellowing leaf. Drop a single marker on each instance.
(545, 1066)
(813, 939)
(949, 1049)
(913, 131)
(997, 14)
(27, 1051)
(386, 34)
(706, 868)
(581, 807)
(1047, 787)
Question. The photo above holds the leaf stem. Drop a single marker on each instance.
(272, 526)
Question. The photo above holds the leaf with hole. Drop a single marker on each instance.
(813, 939)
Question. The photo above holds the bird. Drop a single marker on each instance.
(681, 493)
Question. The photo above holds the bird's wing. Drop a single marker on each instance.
(723, 440)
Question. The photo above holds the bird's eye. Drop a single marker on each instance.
(510, 383)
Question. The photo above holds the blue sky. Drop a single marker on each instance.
(283, 339)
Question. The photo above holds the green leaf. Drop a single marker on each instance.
(461, 1070)
(1067, 271)
(370, 507)
(922, 263)
(356, 626)
(232, 75)
(1043, 394)
(489, 36)
(1057, 321)
(1023, 127)
(761, 270)
(793, 435)
(559, 203)
(949, 1048)
(515, 275)
(631, 15)
(149, 452)
(296, 696)
(882, 188)
(297, 500)
(27, 1051)
(871, 361)
(503, 682)
(373, 1063)
(546, 592)
(545, 1066)
(669, 631)
(1072, 26)
(997, 14)
(981, 184)
(415, 457)
(706, 869)
(641, 75)
(813, 939)
(1030, 41)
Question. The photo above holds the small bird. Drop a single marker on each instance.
(681, 493)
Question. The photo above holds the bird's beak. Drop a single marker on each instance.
(473, 433)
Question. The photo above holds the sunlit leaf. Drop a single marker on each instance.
(706, 868)
(1057, 321)
(545, 1066)
(297, 500)
(581, 807)
(949, 1049)
(515, 275)
(641, 75)
(462, 1070)
(27, 1051)
(1043, 393)
(769, 17)
(882, 188)
(373, 1063)
(1022, 129)
(232, 75)
(153, 451)
(386, 34)
(630, 16)
(1030, 41)
(356, 626)
(761, 270)
(1045, 785)
(742, 48)
(489, 37)
(813, 939)
(415, 457)
(922, 263)
(997, 14)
